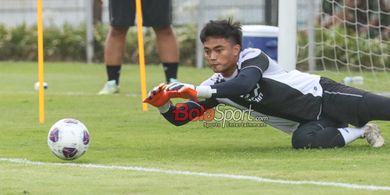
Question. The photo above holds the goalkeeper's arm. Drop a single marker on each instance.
(245, 81)
(183, 113)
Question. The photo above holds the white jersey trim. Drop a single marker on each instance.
(247, 54)
(284, 125)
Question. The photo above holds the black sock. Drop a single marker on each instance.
(170, 70)
(113, 73)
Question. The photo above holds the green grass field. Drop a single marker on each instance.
(123, 135)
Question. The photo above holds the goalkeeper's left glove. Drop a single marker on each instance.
(188, 91)
(158, 97)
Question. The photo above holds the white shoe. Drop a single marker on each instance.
(172, 80)
(373, 135)
(109, 88)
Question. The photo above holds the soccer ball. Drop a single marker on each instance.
(36, 86)
(68, 139)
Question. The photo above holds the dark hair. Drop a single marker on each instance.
(222, 28)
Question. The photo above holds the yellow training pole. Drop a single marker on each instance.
(141, 52)
(40, 63)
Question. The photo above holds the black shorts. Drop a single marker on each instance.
(345, 104)
(156, 13)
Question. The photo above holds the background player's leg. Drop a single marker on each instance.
(168, 51)
(122, 15)
(113, 55)
(114, 51)
(158, 14)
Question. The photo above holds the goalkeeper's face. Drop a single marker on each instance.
(221, 55)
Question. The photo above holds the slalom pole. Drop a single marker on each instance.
(40, 63)
(141, 50)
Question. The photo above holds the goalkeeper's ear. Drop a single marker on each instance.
(236, 50)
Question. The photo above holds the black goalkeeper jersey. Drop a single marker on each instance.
(285, 98)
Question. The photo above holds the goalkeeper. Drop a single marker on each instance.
(314, 109)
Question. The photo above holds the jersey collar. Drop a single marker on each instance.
(232, 76)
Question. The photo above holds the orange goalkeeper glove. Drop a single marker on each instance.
(158, 97)
(182, 90)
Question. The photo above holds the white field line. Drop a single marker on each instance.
(201, 174)
(70, 93)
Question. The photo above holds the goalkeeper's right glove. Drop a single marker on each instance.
(188, 91)
(182, 90)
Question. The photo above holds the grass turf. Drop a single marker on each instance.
(121, 134)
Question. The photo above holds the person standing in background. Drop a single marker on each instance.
(156, 14)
